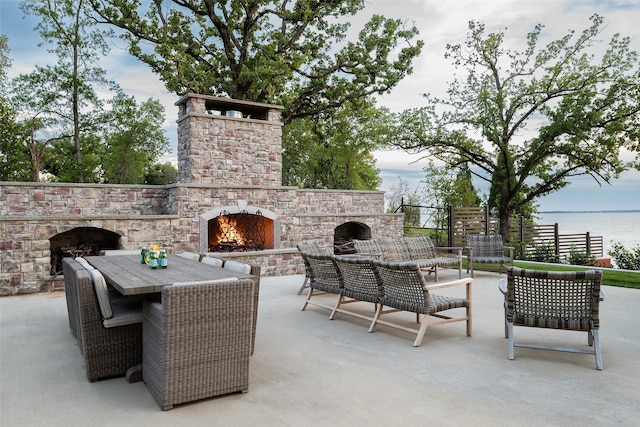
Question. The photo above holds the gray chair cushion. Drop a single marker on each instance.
(102, 292)
(216, 262)
(237, 266)
(124, 314)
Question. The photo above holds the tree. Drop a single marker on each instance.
(401, 197)
(335, 150)
(14, 158)
(79, 47)
(161, 174)
(277, 51)
(134, 139)
(528, 121)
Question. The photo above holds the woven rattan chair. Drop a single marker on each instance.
(309, 247)
(108, 351)
(323, 278)
(360, 284)
(565, 300)
(197, 342)
(487, 249)
(405, 289)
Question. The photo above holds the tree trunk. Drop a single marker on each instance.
(505, 223)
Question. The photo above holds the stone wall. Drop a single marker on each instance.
(32, 213)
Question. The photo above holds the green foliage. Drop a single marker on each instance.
(577, 257)
(624, 258)
(134, 139)
(334, 151)
(64, 92)
(285, 52)
(401, 197)
(585, 107)
(542, 253)
(15, 164)
(161, 174)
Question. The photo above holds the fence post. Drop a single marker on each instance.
(556, 240)
(486, 220)
(450, 234)
(588, 237)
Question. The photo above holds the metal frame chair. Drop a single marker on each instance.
(487, 249)
(564, 300)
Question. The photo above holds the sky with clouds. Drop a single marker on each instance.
(440, 23)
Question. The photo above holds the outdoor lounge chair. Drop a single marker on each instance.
(487, 249)
(309, 247)
(405, 289)
(197, 342)
(567, 300)
(359, 284)
(323, 278)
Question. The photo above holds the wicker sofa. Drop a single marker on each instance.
(399, 286)
(418, 250)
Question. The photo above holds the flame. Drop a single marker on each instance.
(229, 232)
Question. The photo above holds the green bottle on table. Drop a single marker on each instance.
(153, 260)
(162, 260)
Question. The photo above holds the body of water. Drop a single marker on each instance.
(613, 226)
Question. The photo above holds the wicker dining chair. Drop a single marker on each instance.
(563, 300)
(197, 341)
(109, 346)
(487, 249)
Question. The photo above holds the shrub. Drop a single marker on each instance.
(577, 257)
(542, 253)
(624, 258)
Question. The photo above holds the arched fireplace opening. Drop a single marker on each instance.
(345, 233)
(80, 241)
(240, 232)
(240, 228)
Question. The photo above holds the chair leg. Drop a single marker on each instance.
(304, 285)
(506, 328)
(376, 316)
(335, 309)
(306, 301)
(423, 329)
(510, 333)
(590, 338)
(435, 273)
(596, 347)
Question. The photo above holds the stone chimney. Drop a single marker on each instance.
(226, 141)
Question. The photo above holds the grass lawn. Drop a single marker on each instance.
(610, 276)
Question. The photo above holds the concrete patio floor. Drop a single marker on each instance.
(308, 370)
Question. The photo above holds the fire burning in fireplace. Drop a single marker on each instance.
(237, 232)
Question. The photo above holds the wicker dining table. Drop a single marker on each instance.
(129, 277)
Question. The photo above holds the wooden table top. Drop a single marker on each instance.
(129, 277)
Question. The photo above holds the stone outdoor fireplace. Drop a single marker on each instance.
(229, 200)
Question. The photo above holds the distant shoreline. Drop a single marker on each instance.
(601, 211)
